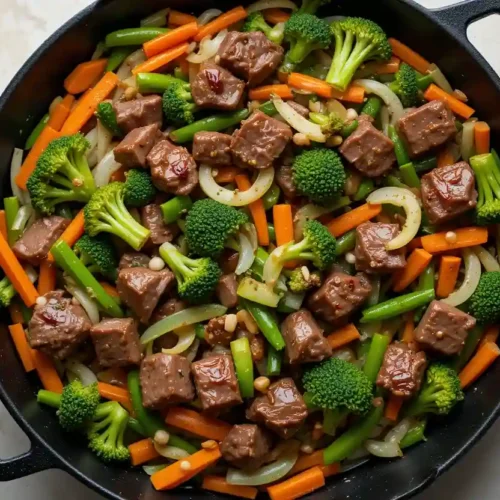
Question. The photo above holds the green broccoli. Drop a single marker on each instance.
(107, 116)
(98, 254)
(484, 304)
(331, 123)
(299, 284)
(488, 184)
(405, 86)
(357, 40)
(305, 33)
(106, 212)
(256, 22)
(440, 393)
(210, 225)
(62, 174)
(7, 292)
(311, 6)
(178, 105)
(139, 188)
(319, 174)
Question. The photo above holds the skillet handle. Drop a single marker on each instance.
(37, 459)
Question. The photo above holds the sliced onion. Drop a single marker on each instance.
(331, 19)
(398, 432)
(15, 168)
(105, 169)
(405, 199)
(258, 292)
(271, 4)
(467, 146)
(32, 274)
(439, 79)
(98, 52)
(246, 255)
(84, 299)
(250, 232)
(368, 330)
(373, 298)
(293, 300)
(152, 469)
(386, 94)
(22, 217)
(385, 120)
(487, 260)
(82, 372)
(274, 265)
(207, 16)
(225, 196)
(470, 282)
(208, 48)
(191, 353)
(156, 20)
(383, 449)
(171, 452)
(104, 138)
(91, 137)
(335, 106)
(185, 336)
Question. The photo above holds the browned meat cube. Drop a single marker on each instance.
(135, 147)
(172, 168)
(37, 240)
(216, 382)
(165, 380)
(259, 141)
(226, 290)
(216, 333)
(284, 179)
(116, 342)
(168, 308)
(402, 370)
(281, 409)
(246, 446)
(370, 252)
(427, 127)
(339, 296)
(215, 88)
(448, 192)
(141, 288)
(152, 219)
(59, 327)
(304, 338)
(138, 113)
(212, 148)
(133, 259)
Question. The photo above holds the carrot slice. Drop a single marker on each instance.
(434, 93)
(275, 16)
(220, 485)
(354, 93)
(490, 335)
(306, 461)
(481, 361)
(114, 393)
(170, 39)
(310, 84)
(22, 346)
(142, 451)
(340, 225)
(283, 226)
(84, 76)
(482, 137)
(393, 407)
(161, 60)
(343, 336)
(3, 224)
(16, 314)
(265, 92)
(466, 237)
(179, 18)
(196, 423)
(409, 329)
(409, 56)
(330, 470)
(382, 67)
(110, 289)
(72, 233)
(47, 372)
(59, 116)
(448, 275)
(415, 266)
(225, 175)
(47, 277)
(223, 21)
(68, 100)
(297, 486)
(445, 157)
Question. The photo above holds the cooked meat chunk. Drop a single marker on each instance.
(228, 261)
(138, 113)
(301, 110)
(259, 141)
(448, 192)
(444, 328)
(59, 327)
(152, 219)
(168, 308)
(212, 148)
(37, 240)
(257, 348)
(226, 290)
(135, 147)
(284, 179)
(215, 332)
(133, 259)
(402, 370)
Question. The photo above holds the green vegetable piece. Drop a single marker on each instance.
(487, 172)
(199, 330)
(139, 188)
(414, 435)
(133, 36)
(346, 242)
(469, 348)
(299, 284)
(107, 116)
(35, 133)
(98, 254)
(311, 6)
(409, 175)
(268, 108)
(272, 232)
(117, 57)
(256, 22)
(271, 196)
(348, 129)
(375, 356)
(274, 359)
(424, 165)
(136, 427)
(154, 82)
(484, 304)
(11, 206)
(365, 188)
(243, 363)
(258, 264)
(402, 156)
(174, 209)
(7, 292)
(178, 105)
(330, 123)
(372, 107)
(405, 86)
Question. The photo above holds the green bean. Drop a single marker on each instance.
(393, 181)
(173, 209)
(425, 164)
(11, 206)
(273, 362)
(399, 147)
(268, 108)
(346, 242)
(414, 435)
(133, 36)
(375, 356)
(243, 363)
(199, 330)
(271, 196)
(258, 264)
(424, 82)
(134, 425)
(272, 232)
(180, 75)
(153, 82)
(348, 129)
(372, 107)
(409, 175)
(365, 188)
(117, 56)
(471, 343)
(36, 132)
(426, 280)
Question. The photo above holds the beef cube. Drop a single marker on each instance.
(172, 168)
(37, 240)
(444, 328)
(304, 338)
(281, 409)
(226, 290)
(216, 333)
(371, 254)
(59, 327)
(216, 382)
(259, 141)
(133, 259)
(135, 147)
(165, 380)
(138, 113)
(215, 88)
(448, 192)
(152, 219)
(427, 127)
(141, 289)
(250, 56)
(116, 342)
(284, 179)
(246, 446)
(212, 148)
(339, 296)
(171, 306)
(402, 370)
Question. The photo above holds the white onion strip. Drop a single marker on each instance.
(156, 20)
(171, 452)
(88, 304)
(105, 169)
(487, 260)
(386, 94)
(104, 138)
(22, 217)
(186, 336)
(467, 146)
(207, 16)
(250, 232)
(15, 168)
(208, 48)
(382, 449)
(271, 4)
(82, 372)
(246, 255)
(439, 79)
(274, 265)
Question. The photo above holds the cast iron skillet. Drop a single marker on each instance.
(441, 36)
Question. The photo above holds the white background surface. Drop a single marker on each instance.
(24, 25)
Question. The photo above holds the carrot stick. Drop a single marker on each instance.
(481, 361)
(72, 233)
(84, 76)
(220, 485)
(47, 372)
(482, 135)
(170, 39)
(47, 277)
(434, 93)
(23, 348)
(409, 56)
(175, 474)
(448, 275)
(330, 470)
(58, 116)
(225, 175)
(310, 84)
(118, 175)
(415, 266)
(490, 335)
(161, 60)
(88, 103)
(354, 93)
(297, 486)
(283, 224)
(264, 93)
(466, 237)
(445, 157)
(382, 68)
(275, 16)
(16, 315)
(68, 100)
(409, 329)
(113, 393)
(343, 336)
(110, 289)
(3, 224)
(392, 408)
(415, 243)
(223, 21)
(142, 451)
(306, 461)
(352, 219)
(179, 18)
(256, 209)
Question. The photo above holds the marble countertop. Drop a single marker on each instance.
(24, 25)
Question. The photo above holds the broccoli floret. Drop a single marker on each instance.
(484, 304)
(209, 226)
(106, 212)
(107, 116)
(305, 33)
(319, 174)
(330, 123)
(299, 284)
(311, 6)
(196, 278)
(62, 174)
(440, 393)
(98, 254)
(357, 40)
(178, 105)
(7, 292)
(256, 22)
(405, 86)
(139, 188)
(488, 183)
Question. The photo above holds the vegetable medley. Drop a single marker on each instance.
(248, 248)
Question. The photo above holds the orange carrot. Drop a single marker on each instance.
(415, 266)
(220, 485)
(88, 103)
(161, 60)
(142, 451)
(170, 39)
(382, 67)
(310, 84)
(23, 348)
(340, 225)
(72, 233)
(409, 56)
(343, 336)
(3, 224)
(223, 21)
(306, 461)
(47, 277)
(490, 335)
(330, 470)
(256, 209)
(392, 408)
(197, 423)
(68, 100)
(177, 18)
(434, 93)
(47, 372)
(466, 237)
(414, 243)
(175, 474)
(118, 175)
(265, 92)
(275, 16)
(114, 376)
(409, 329)
(448, 275)
(445, 157)
(354, 93)
(16, 315)
(58, 116)
(297, 486)
(283, 224)
(114, 393)
(110, 289)
(481, 361)
(225, 175)
(84, 76)
(482, 136)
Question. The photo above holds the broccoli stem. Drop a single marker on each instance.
(117, 56)
(424, 81)
(173, 209)
(133, 36)
(273, 362)
(332, 419)
(375, 356)
(488, 176)
(242, 357)
(49, 398)
(35, 133)
(414, 435)
(11, 206)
